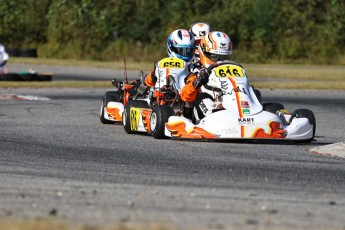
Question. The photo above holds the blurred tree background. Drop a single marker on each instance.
(291, 31)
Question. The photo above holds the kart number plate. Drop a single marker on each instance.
(171, 63)
(134, 118)
(230, 71)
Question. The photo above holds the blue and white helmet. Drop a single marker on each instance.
(181, 44)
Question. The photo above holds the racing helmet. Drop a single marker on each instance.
(215, 46)
(180, 44)
(199, 30)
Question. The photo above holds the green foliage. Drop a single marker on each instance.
(23, 22)
(261, 31)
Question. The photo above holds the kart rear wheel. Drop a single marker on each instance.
(299, 113)
(159, 116)
(126, 118)
(108, 97)
(272, 107)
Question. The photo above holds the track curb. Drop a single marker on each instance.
(334, 150)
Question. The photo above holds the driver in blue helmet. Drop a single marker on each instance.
(180, 44)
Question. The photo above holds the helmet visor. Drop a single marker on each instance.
(184, 51)
(216, 57)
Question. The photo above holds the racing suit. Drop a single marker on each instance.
(195, 92)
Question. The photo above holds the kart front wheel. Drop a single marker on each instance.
(159, 116)
(299, 113)
(108, 97)
(126, 116)
(272, 107)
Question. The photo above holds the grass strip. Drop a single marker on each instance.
(58, 224)
(309, 76)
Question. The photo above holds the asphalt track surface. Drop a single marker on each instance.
(57, 160)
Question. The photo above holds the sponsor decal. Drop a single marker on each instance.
(246, 121)
(203, 107)
(246, 111)
(224, 85)
(244, 104)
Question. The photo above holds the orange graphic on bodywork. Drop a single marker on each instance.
(146, 119)
(275, 132)
(114, 113)
(178, 129)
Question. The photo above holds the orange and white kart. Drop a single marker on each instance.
(165, 96)
(241, 116)
(113, 102)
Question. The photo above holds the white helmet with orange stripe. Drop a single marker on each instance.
(199, 30)
(215, 46)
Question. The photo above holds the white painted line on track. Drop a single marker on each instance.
(14, 97)
(334, 150)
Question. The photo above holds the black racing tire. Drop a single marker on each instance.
(108, 97)
(45, 77)
(126, 118)
(258, 95)
(299, 113)
(272, 107)
(26, 77)
(159, 116)
(113, 95)
(10, 77)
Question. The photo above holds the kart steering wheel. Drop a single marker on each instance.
(218, 63)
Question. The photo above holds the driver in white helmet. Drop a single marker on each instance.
(3, 59)
(198, 30)
(213, 47)
(180, 44)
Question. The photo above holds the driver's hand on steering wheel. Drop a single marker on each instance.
(201, 79)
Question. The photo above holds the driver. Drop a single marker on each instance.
(3, 59)
(199, 30)
(213, 47)
(180, 44)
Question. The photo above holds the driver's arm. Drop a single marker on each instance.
(193, 83)
(150, 79)
(189, 92)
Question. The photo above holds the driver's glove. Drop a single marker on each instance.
(154, 77)
(201, 79)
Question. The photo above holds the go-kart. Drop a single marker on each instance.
(113, 102)
(170, 73)
(241, 115)
(29, 75)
